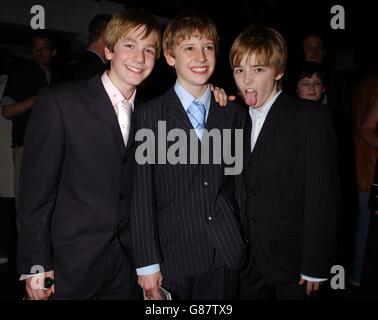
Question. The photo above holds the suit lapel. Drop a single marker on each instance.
(175, 111)
(101, 107)
(130, 141)
(247, 136)
(276, 117)
(215, 115)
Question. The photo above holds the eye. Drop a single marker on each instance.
(258, 69)
(151, 51)
(129, 45)
(189, 48)
(238, 70)
(209, 48)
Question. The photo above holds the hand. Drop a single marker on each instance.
(311, 286)
(151, 284)
(220, 96)
(35, 284)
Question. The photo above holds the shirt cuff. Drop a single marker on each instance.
(145, 271)
(308, 278)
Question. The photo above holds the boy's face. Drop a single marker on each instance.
(194, 61)
(132, 59)
(310, 88)
(257, 83)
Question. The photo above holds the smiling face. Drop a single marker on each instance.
(132, 59)
(257, 83)
(194, 61)
(310, 88)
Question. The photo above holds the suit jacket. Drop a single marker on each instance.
(88, 65)
(292, 189)
(183, 214)
(75, 186)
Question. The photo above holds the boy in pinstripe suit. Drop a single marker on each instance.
(185, 221)
(291, 175)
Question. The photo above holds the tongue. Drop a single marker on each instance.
(250, 98)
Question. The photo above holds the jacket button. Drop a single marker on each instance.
(121, 196)
(253, 192)
(205, 183)
(209, 218)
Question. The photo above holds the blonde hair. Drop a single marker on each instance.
(185, 26)
(128, 20)
(266, 43)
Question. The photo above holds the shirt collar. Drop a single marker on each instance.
(264, 109)
(113, 92)
(186, 98)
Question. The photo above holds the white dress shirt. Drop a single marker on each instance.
(258, 117)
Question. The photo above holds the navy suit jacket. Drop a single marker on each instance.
(185, 213)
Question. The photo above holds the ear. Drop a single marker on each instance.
(170, 59)
(278, 76)
(108, 54)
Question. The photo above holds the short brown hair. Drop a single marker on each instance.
(266, 43)
(126, 21)
(97, 26)
(187, 25)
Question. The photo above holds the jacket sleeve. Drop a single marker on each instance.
(41, 166)
(321, 196)
(145, 241)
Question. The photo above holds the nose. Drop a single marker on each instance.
(311, 86)
(139, 56)
(201, 57)
(248, 78)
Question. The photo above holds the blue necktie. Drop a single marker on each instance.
(197, 113)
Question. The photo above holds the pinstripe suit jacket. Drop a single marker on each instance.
(182, 214)
(292, 191)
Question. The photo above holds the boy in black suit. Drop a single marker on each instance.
(77, 176)
(291, 175)
(185, 220)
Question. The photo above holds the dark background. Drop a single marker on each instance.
(293, 19)
(353, 52)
